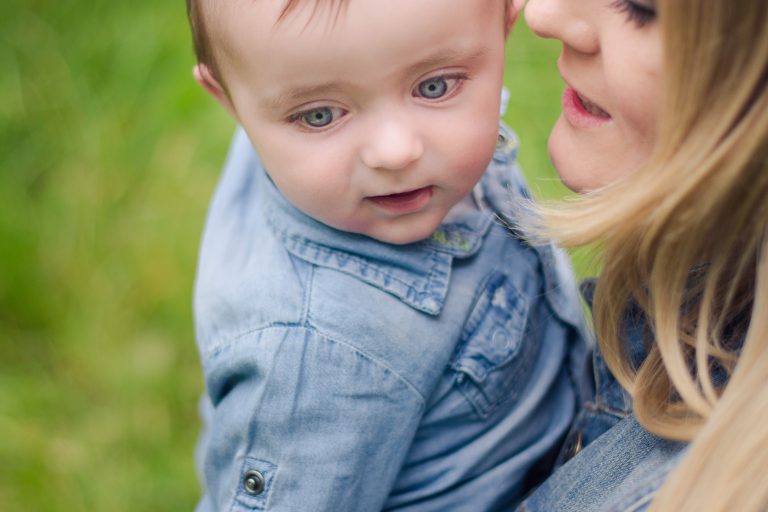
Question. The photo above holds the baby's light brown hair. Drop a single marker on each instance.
(201, 38)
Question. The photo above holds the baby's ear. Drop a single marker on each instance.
(212, 86)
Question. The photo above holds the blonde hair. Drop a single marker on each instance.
(686, 239)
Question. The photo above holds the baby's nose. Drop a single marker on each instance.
(393, 145)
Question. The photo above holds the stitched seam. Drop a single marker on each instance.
(310, 328)
(307, 299)
(593, 407)
(639, 503)
(432, 277)
(649, 490)
(371, 358)
(357, 260)
(462, 347)
(217, 348)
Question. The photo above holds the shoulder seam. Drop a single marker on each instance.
(218, 349)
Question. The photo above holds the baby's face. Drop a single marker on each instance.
(375, 119)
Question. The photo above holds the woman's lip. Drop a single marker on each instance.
(577, 114)
(403, 202)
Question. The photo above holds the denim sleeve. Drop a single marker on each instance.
(299, 421)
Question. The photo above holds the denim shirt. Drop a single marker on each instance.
(343, 373)
(621, 465)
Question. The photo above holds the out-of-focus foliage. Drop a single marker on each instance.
(109, 154)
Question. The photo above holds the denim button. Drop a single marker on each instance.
(254, 482)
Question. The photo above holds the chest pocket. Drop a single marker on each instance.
(493, 359)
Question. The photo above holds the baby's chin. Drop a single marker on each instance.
(402, 231)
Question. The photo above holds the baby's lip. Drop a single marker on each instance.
(403, 202)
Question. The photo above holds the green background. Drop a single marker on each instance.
(110, 153)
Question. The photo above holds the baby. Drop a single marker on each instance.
(372, 336)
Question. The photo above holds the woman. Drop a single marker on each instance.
(665, 131)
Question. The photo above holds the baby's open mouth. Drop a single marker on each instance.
(403, 201)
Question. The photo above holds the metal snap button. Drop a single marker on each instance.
(254, 482)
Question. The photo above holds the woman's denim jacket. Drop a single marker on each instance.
(344, 374)
(609, 462)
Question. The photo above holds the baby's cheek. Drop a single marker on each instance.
(475, 157)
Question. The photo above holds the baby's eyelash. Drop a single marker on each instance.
(638, 14)
(301, 118)
(453, 81)
(456, 76)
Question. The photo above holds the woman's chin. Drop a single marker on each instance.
(567, 157)
(589, 160)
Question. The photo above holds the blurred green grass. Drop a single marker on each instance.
(110, 153)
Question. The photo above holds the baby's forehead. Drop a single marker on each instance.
(334, 6)
(343, 37)
(282, 9)
(271, 16)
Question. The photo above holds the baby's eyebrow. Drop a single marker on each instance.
(293, 95)
(298, 93)
(444, 57)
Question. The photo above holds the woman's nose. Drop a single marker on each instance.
(564, 20)
(393, 144)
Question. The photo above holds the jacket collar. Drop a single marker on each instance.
(417, 273)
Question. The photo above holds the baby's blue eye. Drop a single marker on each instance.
(433, 88)
(318, 117)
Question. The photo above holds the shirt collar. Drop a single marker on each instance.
(417, 273)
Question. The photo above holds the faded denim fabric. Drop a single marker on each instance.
(345, 374)
(621, 465)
